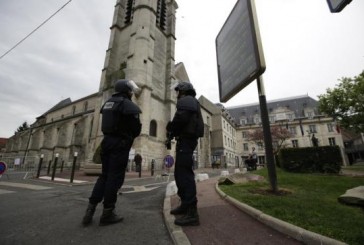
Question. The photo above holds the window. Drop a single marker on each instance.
(257, 120)
(332, 141)
(85, 106)
(292, 130)
(90, 133)
(290, 117)
(295, 143)
(330, 127)
(243, 121)
(312, 128)
(245, 147)
(260, 146)
(272, 119)
(310, 114)
(153, 128)
(275, 144)
(244, 134)
(74, 110)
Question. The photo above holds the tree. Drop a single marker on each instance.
(22, 128)
(345, 103)
(279, 136)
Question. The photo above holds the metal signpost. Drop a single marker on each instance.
(240, 61)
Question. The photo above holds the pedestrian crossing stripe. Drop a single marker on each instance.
(5, 191)
(25, 186)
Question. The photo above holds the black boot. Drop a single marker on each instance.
(90, 211)
(109, 217)
(190, 218)
(181, 209)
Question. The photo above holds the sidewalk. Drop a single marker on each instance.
(226, 221)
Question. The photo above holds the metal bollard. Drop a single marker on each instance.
(62, 166)
(49, 167)
(152, 168)
(54, 166)
(40, 165)
(73, 166)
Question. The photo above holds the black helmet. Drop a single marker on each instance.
(126, 86)
(185, 88)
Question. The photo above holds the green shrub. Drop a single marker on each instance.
(324, 159)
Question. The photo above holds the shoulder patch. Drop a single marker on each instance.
(109, 105)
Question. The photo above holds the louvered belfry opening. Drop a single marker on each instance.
(161, 14)
(129, 11)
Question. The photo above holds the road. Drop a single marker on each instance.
(38, 212)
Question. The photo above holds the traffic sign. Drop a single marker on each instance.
(2, 167)
(168, 161)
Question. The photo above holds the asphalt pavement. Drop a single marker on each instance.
(53, 216)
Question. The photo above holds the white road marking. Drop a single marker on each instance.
(61, 179)
(25, 186)
(139, 189)
(5, 191)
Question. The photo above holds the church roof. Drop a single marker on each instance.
(59, 105)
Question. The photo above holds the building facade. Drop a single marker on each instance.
(299, 115)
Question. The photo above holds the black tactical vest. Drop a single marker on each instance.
(112, 115)
(195, 126)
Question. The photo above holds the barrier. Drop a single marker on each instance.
(25, 166)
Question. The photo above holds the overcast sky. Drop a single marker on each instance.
(306, 48)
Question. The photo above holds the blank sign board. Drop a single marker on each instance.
(239, 52)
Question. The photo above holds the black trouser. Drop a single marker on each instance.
(183, 172)
(114, 158)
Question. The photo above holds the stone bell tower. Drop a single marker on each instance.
(141, 48)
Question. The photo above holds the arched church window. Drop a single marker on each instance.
(153, 128)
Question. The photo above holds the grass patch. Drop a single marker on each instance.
(355, 167)
(308, 201)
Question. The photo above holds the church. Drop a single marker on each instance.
(141, 48)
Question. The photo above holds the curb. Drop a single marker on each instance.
(176, 232)
(300, 234)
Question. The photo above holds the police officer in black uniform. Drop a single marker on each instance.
(187, 126)
(120, 126)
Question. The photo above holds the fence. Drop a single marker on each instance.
(29, 166)
(21, 165)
